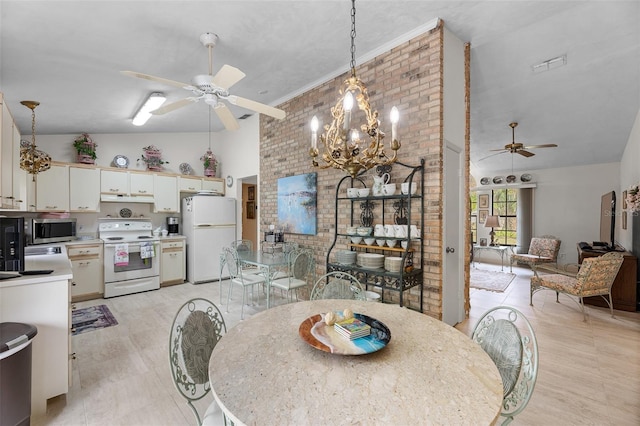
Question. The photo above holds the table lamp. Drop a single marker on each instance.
(492, 222)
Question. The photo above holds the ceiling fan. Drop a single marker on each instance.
(518, 148)
(212, 89)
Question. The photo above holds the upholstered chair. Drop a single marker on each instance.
(541, 250)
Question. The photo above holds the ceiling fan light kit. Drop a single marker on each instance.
(153, 102)
(212, 89)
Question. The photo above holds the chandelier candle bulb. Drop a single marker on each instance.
(348, 105)
(395, 116)
(314, 132)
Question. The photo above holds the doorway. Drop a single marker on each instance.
(249, 210)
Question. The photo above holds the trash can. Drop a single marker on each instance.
(15, 373)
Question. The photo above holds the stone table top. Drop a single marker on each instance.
(262, 372)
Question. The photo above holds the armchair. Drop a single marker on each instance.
(541, 250)
(594, 278)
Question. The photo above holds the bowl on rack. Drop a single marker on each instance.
(364, 231)
(392, 243)
(404, 187)
(352, 192)
(352, 230)
(356, 240)
(364, 192)
(404, 244)
(369, 241)
(380, 243)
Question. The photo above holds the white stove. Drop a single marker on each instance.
(131, 256)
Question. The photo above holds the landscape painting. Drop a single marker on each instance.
(297, 204)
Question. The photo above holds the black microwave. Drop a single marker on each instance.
(44, 231)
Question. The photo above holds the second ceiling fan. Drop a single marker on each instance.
(212, 89)
(519, 148)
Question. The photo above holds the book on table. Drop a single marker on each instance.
(352, 328)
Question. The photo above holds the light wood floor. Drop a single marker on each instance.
(589, 372)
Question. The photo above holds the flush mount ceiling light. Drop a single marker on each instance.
(550, 64)
(346, 146)
(144, 113)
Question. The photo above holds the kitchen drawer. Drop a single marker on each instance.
(172, 244)
(83, 251)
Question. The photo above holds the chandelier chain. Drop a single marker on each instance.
(353, 38)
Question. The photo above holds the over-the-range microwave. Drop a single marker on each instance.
(44, 231)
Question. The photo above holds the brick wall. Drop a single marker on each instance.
(409, 77)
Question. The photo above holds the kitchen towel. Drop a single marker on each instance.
(121, 255)
(146, 250)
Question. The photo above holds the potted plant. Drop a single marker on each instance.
(210, 163)
(152, 157)
(85, 149)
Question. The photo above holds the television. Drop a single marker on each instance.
(608, 221)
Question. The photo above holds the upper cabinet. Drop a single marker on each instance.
(114, 182)
(119, 183)
(52, 189)
(213, 184)
(84, 189)
(140, 183)
(166, 196)
(13, 180)
(190, 184)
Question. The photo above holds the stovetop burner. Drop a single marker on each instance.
(115, 238)
(145, 237)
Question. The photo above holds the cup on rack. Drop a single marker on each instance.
(415, 232)
(364, 192)
(400, 231)
(378, 230)
(389, 189)
(404, 187)
(389, 231)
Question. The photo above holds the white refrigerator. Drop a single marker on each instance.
(209, 223)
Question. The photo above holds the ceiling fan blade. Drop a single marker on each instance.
(257, 107)
(492, 155)
(501, 149)
(158, 79)
(547, 145)
(173, 106)
(525, 153)
(225, 115)
(227, 76)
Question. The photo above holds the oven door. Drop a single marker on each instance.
(131, 264)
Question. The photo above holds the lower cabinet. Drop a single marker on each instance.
(86, 264)
(172, 265)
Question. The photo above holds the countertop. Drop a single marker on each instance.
(58, 262)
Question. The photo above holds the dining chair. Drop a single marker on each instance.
(237, 276)
(300, 269)
(196, 329)
(506, 335)
(338, 285)
(594, 278)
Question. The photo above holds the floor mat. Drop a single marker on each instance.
(92, 318)
(490, 280)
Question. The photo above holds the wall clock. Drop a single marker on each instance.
(229, 181)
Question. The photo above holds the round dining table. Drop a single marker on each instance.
(264, 371)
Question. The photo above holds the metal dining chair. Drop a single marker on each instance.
(338, 285)
(237, 276)
(197, 327)
(300, 269)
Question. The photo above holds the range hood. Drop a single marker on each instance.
(114, 198)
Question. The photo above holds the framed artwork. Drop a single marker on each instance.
(251, 193)
(624, 220)
(482, 215)
(483, 242)
(624, 201)
(483, 201)
(297, 207)
(251, 210)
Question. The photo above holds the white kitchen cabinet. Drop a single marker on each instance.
(190, 184)
(141, 183)
(84, 189)
(12, 178)
(166, 197)
(52, 189)
(88, 272)
(20, 182)
(114, 182)
(213, 184)
(172, 263)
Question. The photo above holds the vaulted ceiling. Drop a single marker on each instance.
(68, 55)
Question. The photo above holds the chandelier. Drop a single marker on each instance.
(344, 146)
(32, 160)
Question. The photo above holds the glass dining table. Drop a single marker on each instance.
(268, 264)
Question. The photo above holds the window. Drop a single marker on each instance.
(505, 203)
(473, 201)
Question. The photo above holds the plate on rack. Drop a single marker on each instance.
(485, 181)
(498, 180)
(511, 178)
(121, 161)
(319, 335)
(525, 177)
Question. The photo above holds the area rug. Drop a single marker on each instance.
(92, 318)
(490, 280)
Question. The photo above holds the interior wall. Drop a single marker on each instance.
(630, 175)
(409, 77)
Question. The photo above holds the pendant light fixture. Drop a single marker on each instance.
(345, 146)
(32, 160)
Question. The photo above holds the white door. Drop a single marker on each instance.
(453, 282)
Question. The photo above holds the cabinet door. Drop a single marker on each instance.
(213, 184)
(6, 157)
(52, 189)
(114, 182)
(87, 279)
(84, 189)
(172, 267)
(189, 184)
(141, 184)
(19, 175)
(166, 198)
